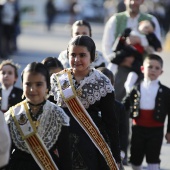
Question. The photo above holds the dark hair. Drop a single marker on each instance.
(154, 57)
(107, 73)
(52, 62)
(36, 67)
(84, 40)
(82, 23)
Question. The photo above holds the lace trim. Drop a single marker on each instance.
(51, 121)
(92, 88)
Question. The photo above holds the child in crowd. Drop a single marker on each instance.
(144, 39)
(5, 142)
(10, 95)
(147, 28)
(123, 119)
(149, 104)
(53, 65)
(83, 92)
(39, 128)
(82, 27)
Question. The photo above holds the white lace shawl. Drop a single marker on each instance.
(92, 88)
(51, 121)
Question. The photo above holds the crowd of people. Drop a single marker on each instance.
(75, 111)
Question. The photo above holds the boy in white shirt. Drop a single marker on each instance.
(9, 94)
(149, 104)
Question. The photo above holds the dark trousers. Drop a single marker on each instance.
(146, 142)
(7, 39)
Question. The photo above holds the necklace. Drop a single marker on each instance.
(36, 104)
(36, 110)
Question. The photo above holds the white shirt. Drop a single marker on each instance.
(5, 141)
(149, 90)
(5, 95)
(109, 33)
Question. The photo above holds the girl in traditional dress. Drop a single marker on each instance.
(87, 96)
(38, 128)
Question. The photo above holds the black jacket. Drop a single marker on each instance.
(162, 103)
(14, 97)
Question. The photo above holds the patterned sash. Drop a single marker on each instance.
(32, 140)
(78, 111)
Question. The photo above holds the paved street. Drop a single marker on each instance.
(35, 44)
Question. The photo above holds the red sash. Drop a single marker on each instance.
(146, 119)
